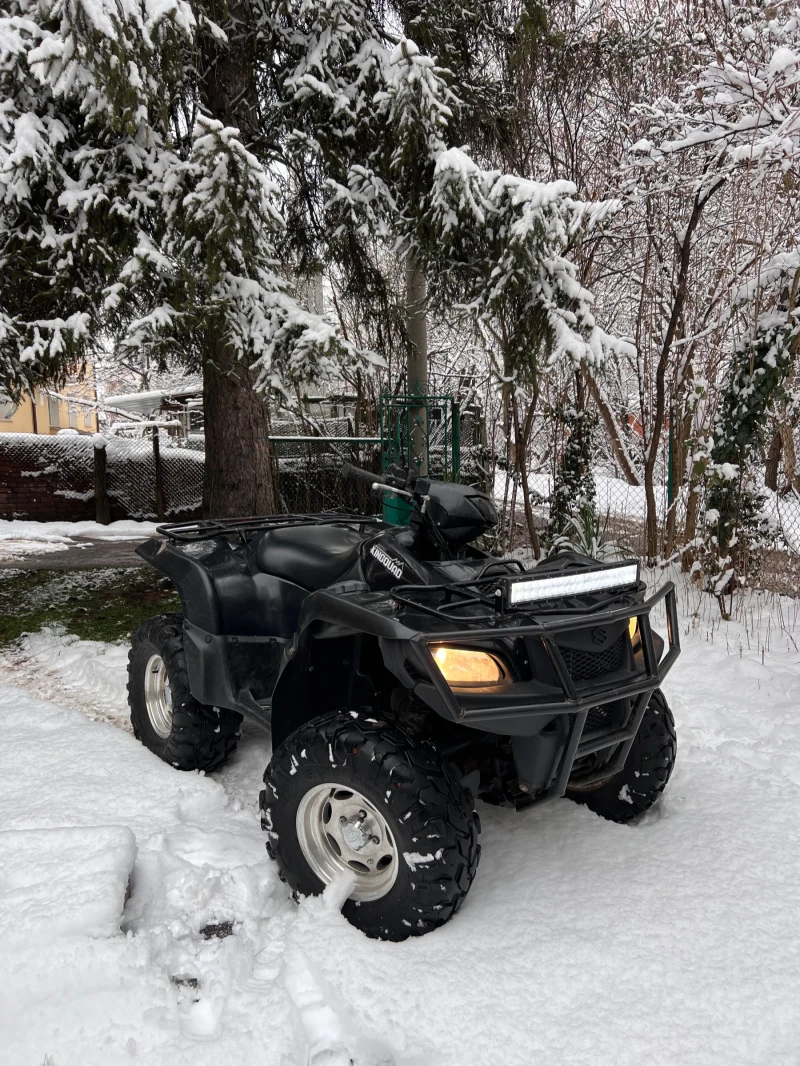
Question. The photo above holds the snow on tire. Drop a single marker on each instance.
(345, 794)
(165, 716)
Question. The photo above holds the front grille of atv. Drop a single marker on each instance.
(587, 665)
(598, 718)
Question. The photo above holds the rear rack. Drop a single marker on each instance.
(208, 528)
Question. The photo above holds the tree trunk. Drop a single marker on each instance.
(521, 439)
(773, 460)
(417, 367)
(240, 477)
(675, 474)
(612, 428)
(690, 528)
(661, 371)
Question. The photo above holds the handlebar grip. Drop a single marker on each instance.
(357, 474)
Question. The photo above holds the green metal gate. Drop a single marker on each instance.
(422, 433)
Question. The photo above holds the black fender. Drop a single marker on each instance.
(198, 598)
(339, 657)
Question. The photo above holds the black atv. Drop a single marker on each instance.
(402, 672)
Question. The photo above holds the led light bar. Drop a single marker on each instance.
(536, 589)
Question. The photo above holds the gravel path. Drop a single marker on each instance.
(84, 554)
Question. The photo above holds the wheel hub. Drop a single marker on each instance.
(353, 832)
(158, 696)
(340, 830)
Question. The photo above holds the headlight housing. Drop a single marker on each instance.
(466, 666)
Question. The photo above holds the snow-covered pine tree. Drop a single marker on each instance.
(495, 247)
(491, 243)
(574, 491)
(360, 159)
(145, 200)
(137, 147)
(735, 525)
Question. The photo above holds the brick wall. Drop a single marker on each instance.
(51, 479)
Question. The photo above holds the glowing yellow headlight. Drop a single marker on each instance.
(460, 666)
(633, 625)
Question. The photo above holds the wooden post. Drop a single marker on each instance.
(102, 506)
(160, 508)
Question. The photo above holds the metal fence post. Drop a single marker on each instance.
(456, 431)
(160, 508)
(102, 507)
(671, 463)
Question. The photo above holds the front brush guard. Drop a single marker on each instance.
(510, 716)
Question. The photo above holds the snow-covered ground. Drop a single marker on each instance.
(676, 941)
(59, 666)
(20, 538)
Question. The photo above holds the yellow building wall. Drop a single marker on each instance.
(52, 414)
(21, 420)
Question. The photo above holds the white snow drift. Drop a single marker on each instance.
(19, 538)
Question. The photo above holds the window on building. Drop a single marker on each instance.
(54, 410)
(7, 409)
(87, 418)
(72, 416)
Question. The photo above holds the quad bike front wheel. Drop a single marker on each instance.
(347, 794)
(165, 716)
(644, 776)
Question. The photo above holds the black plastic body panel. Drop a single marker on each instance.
(234, 672)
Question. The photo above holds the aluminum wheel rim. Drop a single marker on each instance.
(158, 696)
(341, 831)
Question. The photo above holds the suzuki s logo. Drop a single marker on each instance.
(599, 635)
(386, 561)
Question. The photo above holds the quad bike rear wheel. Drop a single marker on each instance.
(644, 777)
(165, 716)
(347, 794)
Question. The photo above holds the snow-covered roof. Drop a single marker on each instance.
(146, 403)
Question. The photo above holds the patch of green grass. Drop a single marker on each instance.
(105, 604)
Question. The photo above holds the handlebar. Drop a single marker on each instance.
(357, 474)
(394, 478)
(401, 481)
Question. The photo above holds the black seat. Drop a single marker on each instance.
(310, 556)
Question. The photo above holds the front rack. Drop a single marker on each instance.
(477, 595)
(481, 599)
(208, 528)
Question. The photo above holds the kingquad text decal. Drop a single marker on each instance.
(387, 561)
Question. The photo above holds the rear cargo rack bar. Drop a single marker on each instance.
(207, 529)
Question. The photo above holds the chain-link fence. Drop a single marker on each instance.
(46, 477)
(161, 477)
(309, 474)
(617, 511)
(58, 477)
(55, 478)
(152, 479)
(616, 523)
